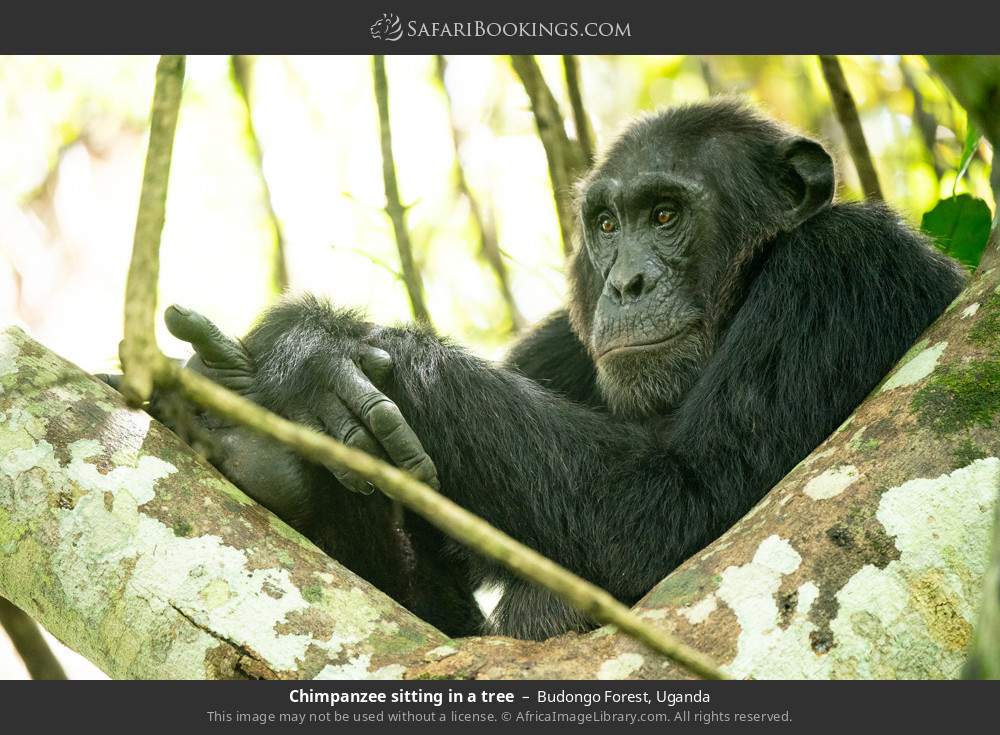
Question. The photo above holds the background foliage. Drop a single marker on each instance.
(72, 138)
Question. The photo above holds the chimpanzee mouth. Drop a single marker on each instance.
(617, 349)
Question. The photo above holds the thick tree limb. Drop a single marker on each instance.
(139, 555)
(29, 642)
(565, 157)
(847, 114)
(393, 206)
(862, 562)
(138, 351)
(975, 82)
(241, 68)
(984, 656)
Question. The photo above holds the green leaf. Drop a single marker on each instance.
(972, 138)
(960, 227)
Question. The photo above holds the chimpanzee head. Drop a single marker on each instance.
(671, 218)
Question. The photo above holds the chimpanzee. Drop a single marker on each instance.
(724, 317)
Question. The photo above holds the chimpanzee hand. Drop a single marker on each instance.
(353, 410)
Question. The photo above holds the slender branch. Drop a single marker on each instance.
(708, 75)
(451, 518)
(923, 119)
(584, 133)
(393, 206)
(489, 247)
(27, 638)
(565, 157)
(847, 114)
(241, 67)
(139, 351)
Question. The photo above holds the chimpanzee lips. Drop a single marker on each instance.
(618, 347)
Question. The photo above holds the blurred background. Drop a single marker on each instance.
(277, 182)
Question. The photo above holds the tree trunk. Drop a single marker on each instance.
(866, 561)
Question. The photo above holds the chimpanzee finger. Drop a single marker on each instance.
(112, 379)
(115, 379)
(238, 381)
(386, 423)
(340, 423)
(377, 365)
(216, 349)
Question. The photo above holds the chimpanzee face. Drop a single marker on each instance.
(668, 219)
(648, 230)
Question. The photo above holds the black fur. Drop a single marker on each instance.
(805, 314)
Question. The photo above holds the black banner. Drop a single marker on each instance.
(514, 26)
(113, 707)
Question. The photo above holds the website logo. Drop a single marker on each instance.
(387, 28)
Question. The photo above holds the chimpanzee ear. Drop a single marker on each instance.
(809, 177)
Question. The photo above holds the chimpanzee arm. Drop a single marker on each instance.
(604, 497)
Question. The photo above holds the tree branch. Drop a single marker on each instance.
(240, 69)
(393, 206)
(923, 120)
(847, 114)
(565, 157)
(712, 85)
(975, 82)
(584, 133)
(489, 247)
(984, 654)
(138, 350)
(29, 642)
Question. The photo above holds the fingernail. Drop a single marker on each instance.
(370, 489)
(181, 310)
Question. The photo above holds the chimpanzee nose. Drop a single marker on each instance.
(629, 285)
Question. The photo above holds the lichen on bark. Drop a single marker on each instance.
(137, 553)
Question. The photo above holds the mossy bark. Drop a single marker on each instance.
(139, 555)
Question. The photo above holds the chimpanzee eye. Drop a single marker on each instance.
(607, 223)
(663, 215)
